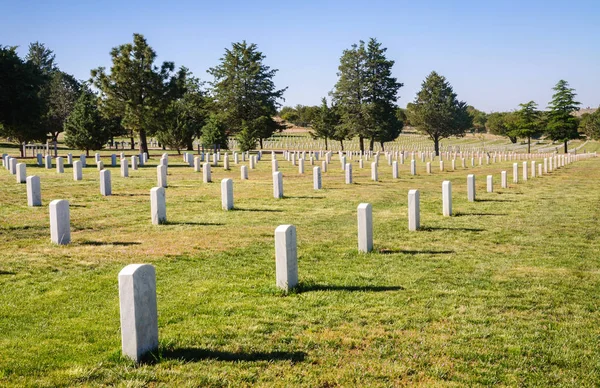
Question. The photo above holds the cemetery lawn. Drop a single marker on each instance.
(506, 292)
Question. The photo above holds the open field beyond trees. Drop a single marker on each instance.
(505, 292)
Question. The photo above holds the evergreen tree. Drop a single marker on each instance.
(479, 118)
(215, 132)
(325, 123)
(135, 89)
(42, 57)
(85, 128)
(499, 123)
(245, 94)
(436, 111)
(562, 124)
(527, 123)
(21, 103)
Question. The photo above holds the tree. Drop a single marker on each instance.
(63, 91)
(244, 92)
(85, 129)
(479, 118)
(325, 123)
(42, 57)
(136, 89)
(215, 132)
(499, 123)
(562, 124)
(527, 123)
(366, 93)
(590, 124)
(436, 111)
(21, 103)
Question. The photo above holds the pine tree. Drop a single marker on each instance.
(215, 132)
(135, 89)
(562, 124)
(527, 123)
(245, 93)
(85, 128)
(325, 122)
(436, 111)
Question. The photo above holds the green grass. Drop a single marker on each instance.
(506, 292)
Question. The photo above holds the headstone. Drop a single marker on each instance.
(97, 157)
(361, 163)
(348, 173)
(77, 172)
(413, 167)
(34, 192)
(227, 194)
(244, 172)
(105, 183)
(414, 217)
(274, 165)
(60, 223)
(39, 159)
(206, 178)
(504, 180)
(21, 172)
(158, 205)
(471, 187)
(515, 172)
(428, 167)
(113, 160)
(286, 256)
(490, 184)
(374, 175)
(12, 163)
(301, 166)
(138, 311)
(124, 168)
(278, 184)
(48, 160)
(447, 198)
(83, 160)
(226, 162)
(324, 166)
(100, 165)
(60, 166)
(69, 159)
(134, 162)
(441, 165)
(540, 169)
(317, 178)
(395, 169)
(533, 168)
(525, 171)
(365, 227)
(161, 175)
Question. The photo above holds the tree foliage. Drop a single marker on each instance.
(326, 123)
(300, 115)
(21, 102)
(479, 119)
(214, 132)
(527, 123)
(244, 92)
(500, 124)
(85, 129)
(437, 112)
(562, 124)
(135, 89)
(366, 93)
(590, 124)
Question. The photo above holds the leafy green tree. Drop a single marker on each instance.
(325, 123)
(562, 124)
(244, 92)
(85, 129)
(436, 111)
(21, 103)
(214, 132)
(499, 123)
(590, 124)
(479, 118)
(247, 137)
(402, 117)
(135, 89)
(366, 93)
(527, 123)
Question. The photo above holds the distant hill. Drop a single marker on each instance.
(586, 110)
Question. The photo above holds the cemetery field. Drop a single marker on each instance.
(504, 292)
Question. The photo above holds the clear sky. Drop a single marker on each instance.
(496, 54)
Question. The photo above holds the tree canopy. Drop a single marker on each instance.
(85, 128)
(562, 124)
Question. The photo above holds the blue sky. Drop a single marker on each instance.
(496, 54)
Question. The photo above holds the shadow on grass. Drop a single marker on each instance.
(118, 243)
(75, 205)
(193, 223)
(414, 252)
(493, 200)
(434, 228)
(458, 214)
(130, 195)
(258, 210)
(196, 354)
(303, 287)
(304, 197)
(7, 273)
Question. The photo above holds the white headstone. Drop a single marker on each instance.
(77, 174)
(471, 187)
(21, 172)
(274, 165)
(525, 175)
(413, 167)
(206, 177)
(138, 310)
(60, 165)
(348, 173)
(105, 183)
(158, 205)
(447, 198)
(365, 227)
(83, 160)
(134, 162)
(490, 184)
(324, 166)
(504, 180)
(317, 178)
(227, 194)
(395, 169)
(34, 192)
(244, 172)
(124, 168)
(414, 216)
(60, 223)
(374, 174)
(161, 175)
(515, 172)
(286, 256)
(277, 184)
(301, 166)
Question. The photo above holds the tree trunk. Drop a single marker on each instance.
(528, 144)
(371, 143)
(436, 146)
(190, 145)
(361, 144)
(566, 146)
(382, 146)
(132, 140)
(87, 153)
(22, 147)
(342, 144)
(325, 143)
(143, 141)
(513, 139)
(260, 142)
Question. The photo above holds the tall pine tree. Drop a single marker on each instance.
(85, 129)
(562, 124)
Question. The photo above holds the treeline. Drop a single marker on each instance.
(138, 97)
